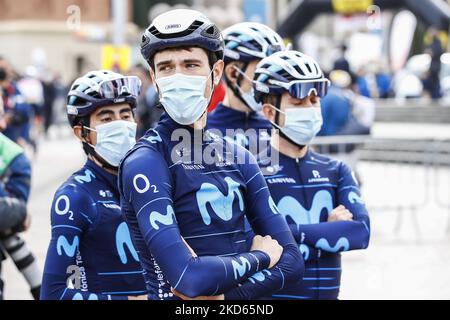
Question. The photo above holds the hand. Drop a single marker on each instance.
(340, 214)
(143, 297)
(269, 246)
(183, 297)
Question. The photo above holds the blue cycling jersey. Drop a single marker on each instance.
(306, 191)
(224, 118)
(88, 231)
(164, 199)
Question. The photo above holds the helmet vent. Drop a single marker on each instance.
(211, 32)
(194, 26)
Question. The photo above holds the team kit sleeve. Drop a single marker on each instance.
(265, 219)
(72, 214)
(340, 236)
(19, 180)
(145, 182)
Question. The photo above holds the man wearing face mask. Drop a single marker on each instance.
(318, 196)
(186, 212)
(91, 255)
(245, 45)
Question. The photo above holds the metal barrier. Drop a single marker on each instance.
(403, 176)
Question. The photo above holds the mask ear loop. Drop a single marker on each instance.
(236, 88)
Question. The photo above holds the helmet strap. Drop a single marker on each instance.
(236, 88)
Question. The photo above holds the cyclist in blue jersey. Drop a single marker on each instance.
(246, 44)
(182, 188)
(318, 196)
(91, 255)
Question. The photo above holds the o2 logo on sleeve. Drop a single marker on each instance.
(142, 184)
(62, 206)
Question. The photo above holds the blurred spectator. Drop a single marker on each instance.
(148, 111)
(52, 86)
(18, 112)
(432, 81)
(344, 111)
(342, 63)
(336, 105)
(373, 82)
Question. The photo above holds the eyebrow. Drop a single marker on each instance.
(109, 112)
(192, 61)
(166, 62)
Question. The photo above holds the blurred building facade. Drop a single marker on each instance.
(66, 36)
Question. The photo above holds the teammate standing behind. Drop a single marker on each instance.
(91, 255)
(318, 196)
(245, 45)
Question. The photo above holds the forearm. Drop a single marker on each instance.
(207, 275)
(335, 236)
(290, 268)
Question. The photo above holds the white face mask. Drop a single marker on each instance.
(114, 140)
(183, 97)
(301, 125)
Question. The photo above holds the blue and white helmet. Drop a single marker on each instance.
(100, 88)
(181, 27)
(290, 71)
(249, 41)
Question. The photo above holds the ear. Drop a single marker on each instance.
(218, 71)
(80, 134)
(153, 77)
(269, 112)
(231, 73)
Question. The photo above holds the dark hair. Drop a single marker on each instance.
(212, 57)
(271, 99)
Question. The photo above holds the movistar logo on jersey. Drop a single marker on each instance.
(157, 219)
(353, 197)
(260, 276)
(221, 204)
(341, 245)
(304, 249)
(79, 296)
(123, 239)
(240, 268)
(62, 244)
(86, 178)
(290, 207)
(155, 138)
